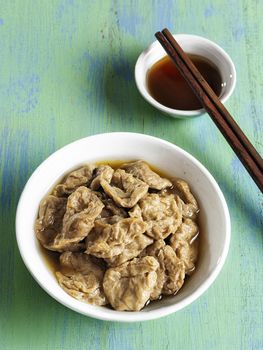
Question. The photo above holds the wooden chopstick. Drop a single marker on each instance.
(219, 114)
(242, 137)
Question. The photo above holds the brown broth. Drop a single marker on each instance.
(167, 86)
(115, 164)
(51, 259)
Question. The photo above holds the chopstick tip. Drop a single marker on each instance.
(157, 34)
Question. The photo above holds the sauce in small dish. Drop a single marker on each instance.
(167, 86)
(178, 101)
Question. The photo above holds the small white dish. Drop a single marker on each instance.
(214, 216)
(192, 44)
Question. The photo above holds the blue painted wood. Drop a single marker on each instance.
(66, 71)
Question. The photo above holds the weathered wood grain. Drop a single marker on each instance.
(66, 71)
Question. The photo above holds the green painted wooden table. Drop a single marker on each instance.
(66, 71)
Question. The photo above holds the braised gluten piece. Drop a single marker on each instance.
(124, 236)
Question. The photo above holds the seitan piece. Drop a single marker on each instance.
(82, 278)
(129, 286)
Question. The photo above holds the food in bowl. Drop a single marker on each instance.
(124, 235)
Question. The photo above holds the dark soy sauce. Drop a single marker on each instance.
(168, 87)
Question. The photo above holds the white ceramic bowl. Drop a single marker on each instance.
(192, 44)
(215, 235)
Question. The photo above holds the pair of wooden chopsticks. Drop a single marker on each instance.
(219, 114)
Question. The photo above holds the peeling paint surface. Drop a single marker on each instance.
(66, 72)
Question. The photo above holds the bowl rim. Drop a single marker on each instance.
(100, 313)
(178, 112)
